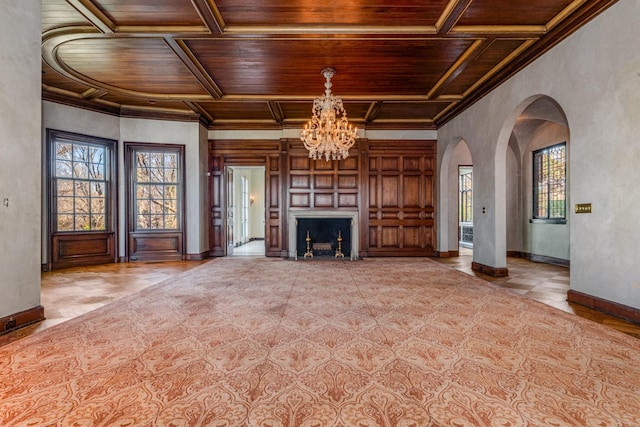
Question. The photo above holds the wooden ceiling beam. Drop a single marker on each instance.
(191, 62)
(94, 15)
(210, 15)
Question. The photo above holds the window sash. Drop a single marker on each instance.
(80, 185)
(549, 183)
(156, 188)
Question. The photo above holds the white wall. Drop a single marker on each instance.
(20, 155)
(594, 76)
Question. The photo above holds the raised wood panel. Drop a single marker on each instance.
(347, 200)
(274, 191)
(217, 236)
(389, 237)
(323, 200)
(300, 181)
(401, 198)
(411, 164)
(389, 164)
(275, 223)
(300, 163)
(411, 237)
(349, 164)
(155, 246)
(390, 191)
(76, 249)
(299, 200)
(323, 165)
(347, 182)
(323, 181)
(411, 191)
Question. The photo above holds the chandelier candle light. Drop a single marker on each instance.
(328, 134)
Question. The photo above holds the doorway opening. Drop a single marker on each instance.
(465, 207)
(245, 210)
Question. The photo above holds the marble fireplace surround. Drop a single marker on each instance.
(294, 215)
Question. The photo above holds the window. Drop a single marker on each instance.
(549, 183)
(80, 182)
(466, 195)
(156, 184)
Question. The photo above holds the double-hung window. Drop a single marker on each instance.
(80, 183)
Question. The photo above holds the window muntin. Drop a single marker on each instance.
(549, 183)
(156, 186)
(80, 178)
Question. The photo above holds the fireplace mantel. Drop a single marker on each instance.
(294, 215)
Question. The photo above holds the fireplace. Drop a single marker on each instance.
(324, 228)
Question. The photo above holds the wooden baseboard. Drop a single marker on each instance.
(197, 257)
(20, 320)
(616, 309)
(488, 270)
(448, 254)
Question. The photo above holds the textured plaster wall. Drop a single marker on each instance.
(594, 76)
(20, 155)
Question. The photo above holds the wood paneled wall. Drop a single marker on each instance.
(390, 183)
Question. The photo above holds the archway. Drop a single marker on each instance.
(536, 124)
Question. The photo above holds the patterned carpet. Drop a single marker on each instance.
(268, 343)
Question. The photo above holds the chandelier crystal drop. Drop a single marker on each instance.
(328, 134)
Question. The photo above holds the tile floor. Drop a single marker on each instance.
(71, 292)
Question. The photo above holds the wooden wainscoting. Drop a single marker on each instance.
(156, 246)
(75, 249)
(399, 188)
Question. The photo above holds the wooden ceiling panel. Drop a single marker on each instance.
(140, 64)
(259, 62)
(53, 79)
(229, 110)
(371, 67)
(410, 111)
(59, 13)
(375, 13)
(127, 13)
(175, 105)
(486, 61)
(510, 12)
(300, 111)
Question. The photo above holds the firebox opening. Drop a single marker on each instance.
(324, 235)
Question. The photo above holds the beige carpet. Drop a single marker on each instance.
(266, 342)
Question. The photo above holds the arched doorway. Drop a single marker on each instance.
(536, 155)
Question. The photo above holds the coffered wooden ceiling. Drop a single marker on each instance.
(256, 63)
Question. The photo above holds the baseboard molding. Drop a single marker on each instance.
(539, 258)
(488, 270)
(197, 257)
(609, 307)
(20, 320)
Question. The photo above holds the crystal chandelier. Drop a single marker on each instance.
(328, 134)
